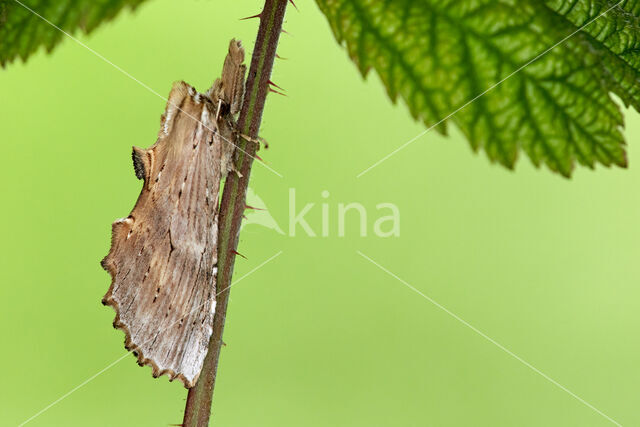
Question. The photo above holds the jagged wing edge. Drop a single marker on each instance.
(178, 92)
(129, 345)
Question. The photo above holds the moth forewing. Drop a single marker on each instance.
(163, 257)
(233, 77)
(228, 92)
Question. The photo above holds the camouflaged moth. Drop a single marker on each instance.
(163, 257)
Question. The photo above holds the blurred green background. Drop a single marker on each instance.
(545, 266)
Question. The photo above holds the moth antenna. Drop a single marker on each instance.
(275, 85)
(278, 92)
(294, 5)
(252, 207)
(239, 254)
(259, 15)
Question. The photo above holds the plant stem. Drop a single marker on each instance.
(232, 206)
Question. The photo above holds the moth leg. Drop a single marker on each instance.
(259, 140)
(234, 169)
(250, 139)
(264, 142)
(220, 104)
(234, 127)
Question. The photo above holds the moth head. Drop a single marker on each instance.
(215, 91)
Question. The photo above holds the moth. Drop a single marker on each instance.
(163, 256)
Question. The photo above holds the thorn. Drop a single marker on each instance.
(177, 425)
(273, 84)
(278, 92)
(224, 343)
(259, 15)
(254, 208)
(294, 5)
(239, 254)
(280, 57)
(286, 32)
(244, 216)
(258, 157)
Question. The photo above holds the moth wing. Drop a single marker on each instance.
(233, 76)
(163, 256)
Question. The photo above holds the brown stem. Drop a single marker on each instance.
(198, 408)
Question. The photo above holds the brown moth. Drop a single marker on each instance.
(163, 257)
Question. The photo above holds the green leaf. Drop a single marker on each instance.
(438, 55)
(22, 32)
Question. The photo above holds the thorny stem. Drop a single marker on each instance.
(198, 408)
